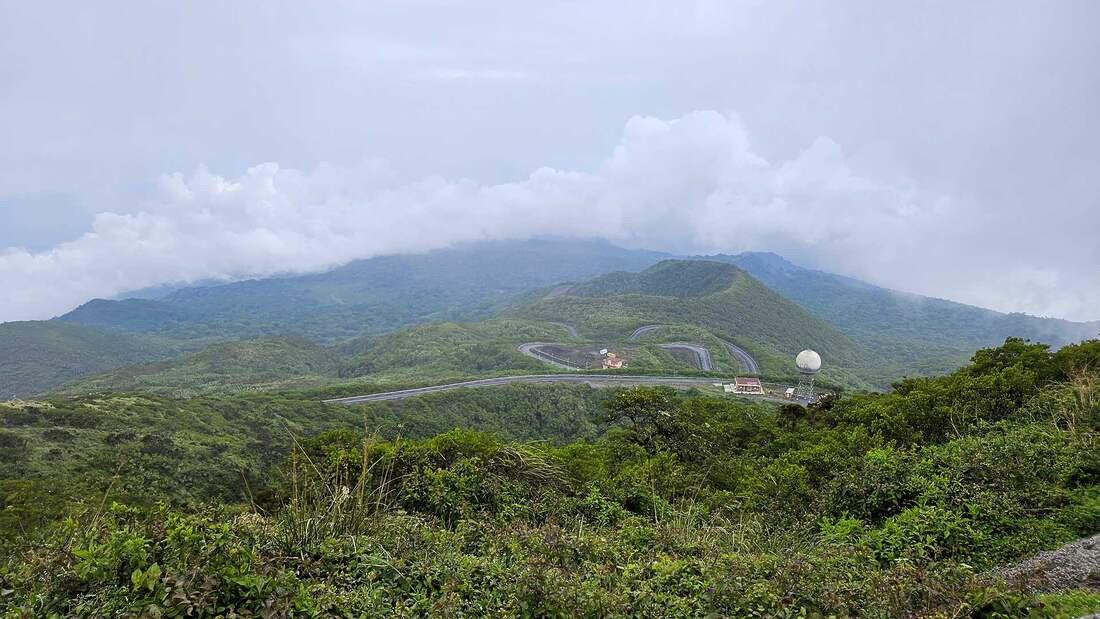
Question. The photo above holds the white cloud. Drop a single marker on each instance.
(475, 75)
(694, 184)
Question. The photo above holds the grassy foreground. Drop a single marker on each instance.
(878, 505)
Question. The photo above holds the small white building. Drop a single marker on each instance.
(789, 393)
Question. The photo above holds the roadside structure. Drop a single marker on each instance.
(744, 385)
(611, 361)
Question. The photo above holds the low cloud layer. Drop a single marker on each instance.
(693, 184)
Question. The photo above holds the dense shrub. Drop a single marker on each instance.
(879, 505)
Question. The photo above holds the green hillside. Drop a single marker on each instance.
(719, 298)
(696, 301)
(429, 353)
(916, 334)
(38, 355)
(670, 278)
(870, 336)
(448, 350)
(190, 450)
(378, 295)
(640, 502)
(251, 365)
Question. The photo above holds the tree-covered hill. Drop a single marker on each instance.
(871, 336)
(376, 295)
(38, 355)
(425, 354)
(250, 365)
(719, 298)
(684, 279)
(924, 334)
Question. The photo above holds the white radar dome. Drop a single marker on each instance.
(808, 361)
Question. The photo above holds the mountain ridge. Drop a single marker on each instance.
(906, 334)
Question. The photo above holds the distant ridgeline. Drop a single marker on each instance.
(385, 320)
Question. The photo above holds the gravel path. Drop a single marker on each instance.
(1073, 566)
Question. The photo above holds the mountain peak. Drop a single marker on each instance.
(763, 260)
(668, 278)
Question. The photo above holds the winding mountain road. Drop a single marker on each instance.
(593, 380)
(748, 364)
(570, 328)
(702, 355)
(640, 331)
(743, 356)
(531, 349)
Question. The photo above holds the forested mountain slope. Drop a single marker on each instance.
(376, 295)
(884, 333)
(38, 355)
(929, 334)
(231, 367)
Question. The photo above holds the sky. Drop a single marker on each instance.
(943, 148)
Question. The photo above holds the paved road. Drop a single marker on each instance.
(570, 328)
(640, 331)
(743, 356)
(748, 364)
(531, 349)
(594, 380)
(702, 355)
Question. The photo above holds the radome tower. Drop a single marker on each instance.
(808, 363)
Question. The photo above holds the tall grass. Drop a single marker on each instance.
(324, 504)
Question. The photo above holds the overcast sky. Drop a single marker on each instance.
(949, 149)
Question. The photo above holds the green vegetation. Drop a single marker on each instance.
(143, 448)
(364, 308)
(869, 335)
(444, 351)
(367, 296)
(36, 356)
(877, 505)
(718, 298)
(255, 365)
(420, 355)
(908, 333)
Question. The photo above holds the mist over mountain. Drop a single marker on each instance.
(889, 334)
(683, 309)
(889, 320)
